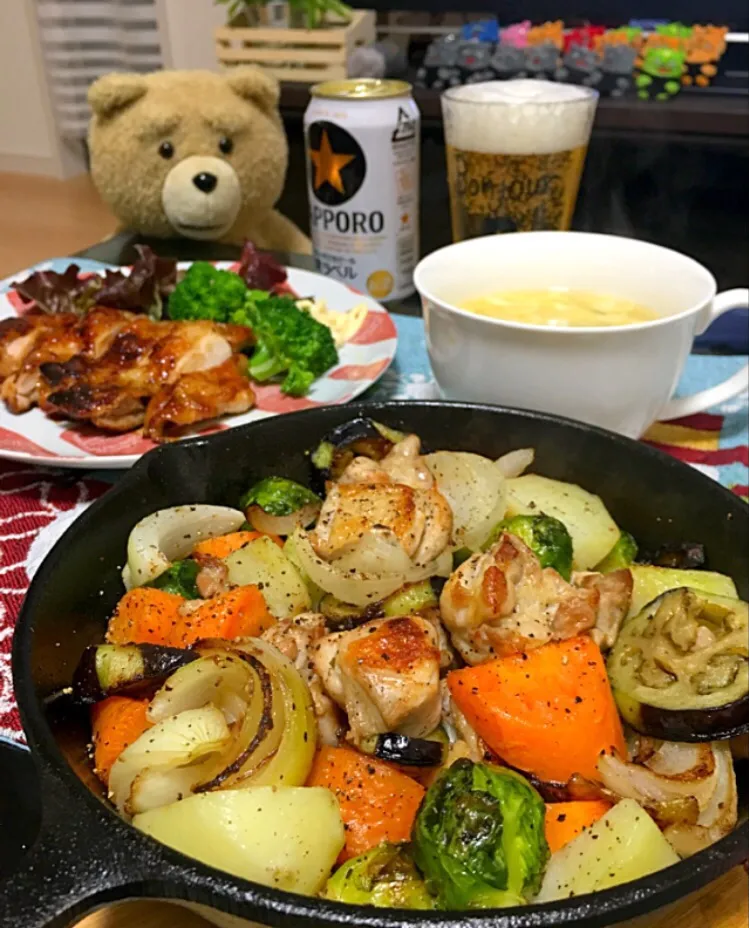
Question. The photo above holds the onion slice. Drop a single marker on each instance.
(474, 488)
(169, 751)
(670, 780)
(262, 521)
(717, 818)
(170, 534)
(356, 586)
(514, 463)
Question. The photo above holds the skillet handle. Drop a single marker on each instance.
(82, 858)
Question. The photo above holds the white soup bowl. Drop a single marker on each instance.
(622, 378)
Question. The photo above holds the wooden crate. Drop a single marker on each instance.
(301, 55)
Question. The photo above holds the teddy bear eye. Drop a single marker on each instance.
(225, 144)
(166, 150)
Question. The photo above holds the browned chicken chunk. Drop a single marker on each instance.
(385, 675)
(503, 601)
(198, 397)
(421, 520)
(615, 596)
(296, 639)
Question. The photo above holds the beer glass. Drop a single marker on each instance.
(515, 153)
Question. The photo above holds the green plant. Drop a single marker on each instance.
(312, 11)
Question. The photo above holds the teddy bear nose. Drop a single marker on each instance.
(205, 181)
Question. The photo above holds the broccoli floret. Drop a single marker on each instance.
(289, 342)
(546, 536)
(207, 293)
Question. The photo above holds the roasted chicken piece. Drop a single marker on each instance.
(21, 389)
(467, 743)
(421, 520)
(165, 363)
(296, 639)
(503, 601)
(197, 397)
(615, 595)
(20, 335)
(61, 352)
(402, 464)
(385, 675)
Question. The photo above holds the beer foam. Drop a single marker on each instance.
(518, 117)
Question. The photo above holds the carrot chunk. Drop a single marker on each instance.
(566, 820)
(117, 721)
(145, 615)
(224, 545)
(240, 613)
(549, 712)
(378, 803)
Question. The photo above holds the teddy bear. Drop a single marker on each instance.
(193, 153)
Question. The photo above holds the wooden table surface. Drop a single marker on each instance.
(723, 904)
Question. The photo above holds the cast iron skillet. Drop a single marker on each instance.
(85, 856)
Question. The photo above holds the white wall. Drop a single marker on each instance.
(188, 39)
(25, 129)
(28, 137)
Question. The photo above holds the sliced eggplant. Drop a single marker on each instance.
(108, 668)
(359, 437)
(407, 751)
(687, 556)
(181, 579)
(680, 668)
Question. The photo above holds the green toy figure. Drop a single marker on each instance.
(660, 73)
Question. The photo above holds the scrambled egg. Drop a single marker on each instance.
(343, 326)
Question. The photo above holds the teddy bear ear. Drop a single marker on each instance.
(114, 92)
(254, 85)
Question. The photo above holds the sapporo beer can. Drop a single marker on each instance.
(363, 141)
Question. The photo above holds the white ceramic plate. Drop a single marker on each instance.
(34, 438)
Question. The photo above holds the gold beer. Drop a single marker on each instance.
(515, 154)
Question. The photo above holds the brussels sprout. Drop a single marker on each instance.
(278, 496)
(621, 555)
(546, 536)
(479, 837)
(384, 877)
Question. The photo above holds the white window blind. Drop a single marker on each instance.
(83, 39)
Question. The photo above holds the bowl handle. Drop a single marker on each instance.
(732, 386)
(81, 859)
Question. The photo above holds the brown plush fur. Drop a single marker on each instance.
(134, 114)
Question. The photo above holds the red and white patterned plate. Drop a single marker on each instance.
(33, 437)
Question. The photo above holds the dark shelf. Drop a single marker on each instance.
(687, 114)
(606, 12)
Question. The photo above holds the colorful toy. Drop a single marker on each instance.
(660, 73)
(516, 34)
(612, 61)
(704, 50)
(508, 61)
(585, 36)
(617, 67)
(547, 33)
(580, 65)
(626, 35)
(542, 61)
